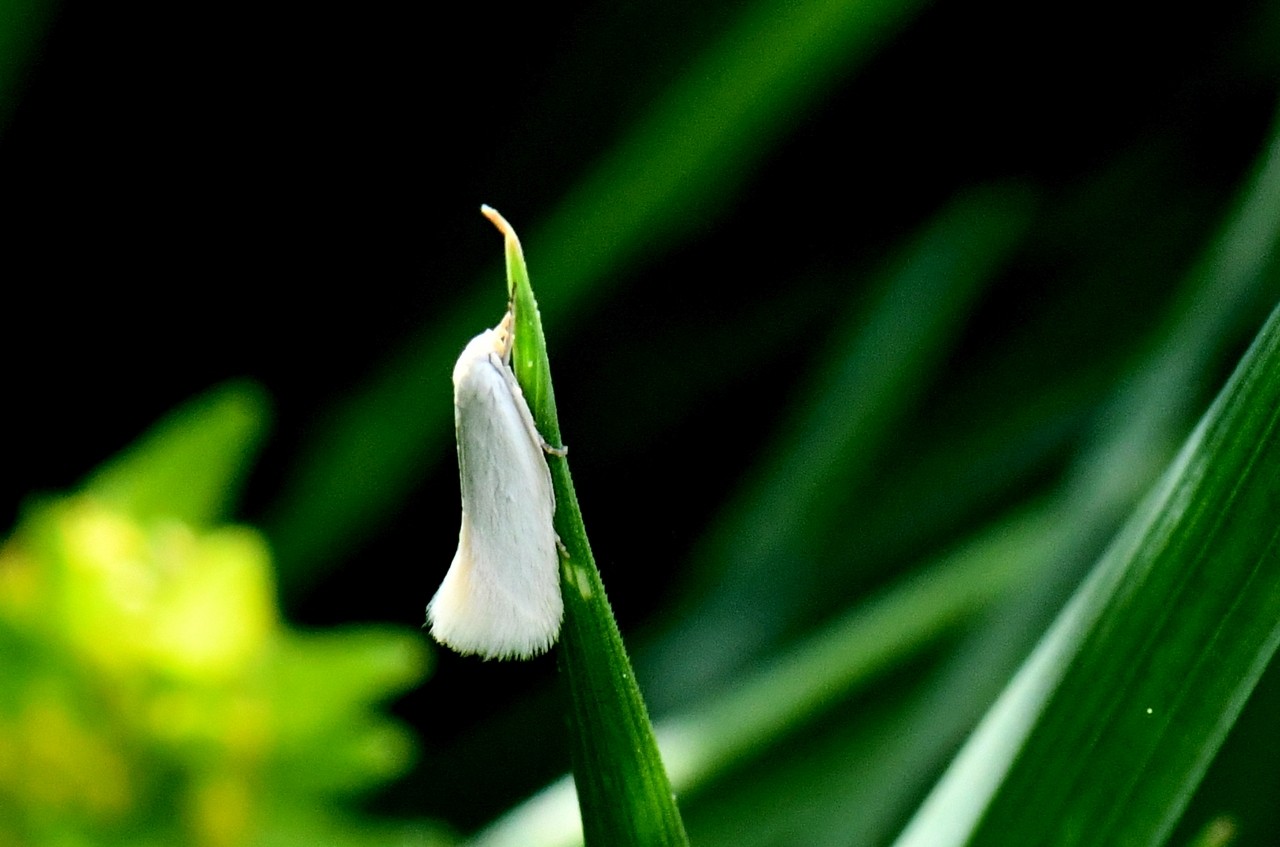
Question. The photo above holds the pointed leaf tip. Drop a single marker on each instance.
(517, 276)
(500, 222)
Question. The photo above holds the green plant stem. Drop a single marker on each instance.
(623, 791)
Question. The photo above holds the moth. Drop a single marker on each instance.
(500, 598)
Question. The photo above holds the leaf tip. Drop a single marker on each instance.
(515, 253)
(500, 222)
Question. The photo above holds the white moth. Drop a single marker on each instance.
(501, 596)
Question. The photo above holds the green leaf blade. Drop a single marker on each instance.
(877, 361)
(623, 791)
(1129, 696)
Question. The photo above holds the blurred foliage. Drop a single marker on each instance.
(150, 693)
(1109, 725)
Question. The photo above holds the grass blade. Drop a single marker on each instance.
(878, 361)
(1113, 720)
(623, 790)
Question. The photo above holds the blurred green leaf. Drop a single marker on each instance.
(190, 465)
(1134, 434)
(877, 363)
(1111, 723)
(150, 693)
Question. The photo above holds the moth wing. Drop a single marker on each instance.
(501, 595)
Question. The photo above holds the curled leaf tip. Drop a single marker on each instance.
(515, 254)
(500, 222)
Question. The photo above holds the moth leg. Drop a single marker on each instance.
(564, 551)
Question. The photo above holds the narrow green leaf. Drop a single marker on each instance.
(873, 370)
(189, 466)
(1111, 723)
(687, 155)
(623, 790)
